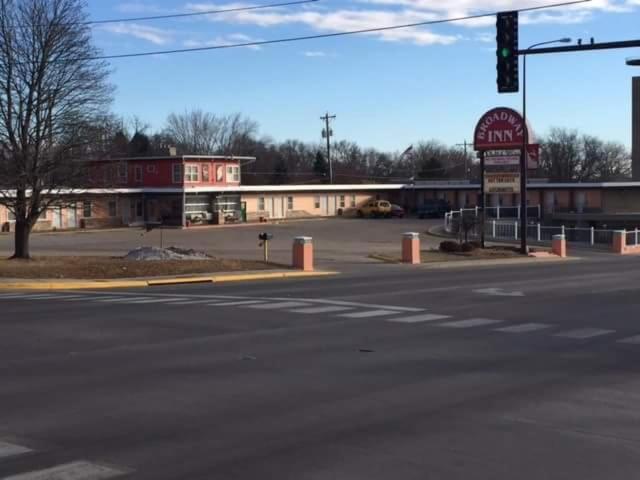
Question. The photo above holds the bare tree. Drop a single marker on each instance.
(51, 92)
(199, 132)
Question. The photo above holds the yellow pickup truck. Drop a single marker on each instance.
(376, 208)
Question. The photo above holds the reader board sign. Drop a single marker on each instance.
(500, 160)
(502, 182)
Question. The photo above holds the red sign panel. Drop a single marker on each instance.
(499, 129)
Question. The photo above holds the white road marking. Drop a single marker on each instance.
(328, 309)
(349, 304)
(635, 340)
(278, 305)
(498, 292)
(194, 301)
(121, 299)
(87, 299)
(153, 300)
(79, 470)
(472, 322)
(44, 296)
(582, 333)
(9, 449)
(368, 313)
(237, 303)
(427, 317)
(524, 328)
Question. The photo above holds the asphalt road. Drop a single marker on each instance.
(529, 372)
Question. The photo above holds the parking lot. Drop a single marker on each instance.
(338, 242)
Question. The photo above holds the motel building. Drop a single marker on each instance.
(193, 190)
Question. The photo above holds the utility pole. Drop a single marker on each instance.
(465, 144)
(328, 133)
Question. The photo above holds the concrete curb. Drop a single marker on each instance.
(500, 262)
(140, 283)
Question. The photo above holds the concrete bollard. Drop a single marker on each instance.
(559, 246)
(303, 253)
(411, 248)
(619, 245)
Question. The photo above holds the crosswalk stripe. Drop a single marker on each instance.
(472, 322)
(154, 300)
(427, 317)
(368, 313)
(635, 339)
(10, 449)
(80, 470)
(524, 328)
(120, 299)
(194, 301)
(278, 305)
(328, 309)
(583, 333)
(86, 299)
(238, 303)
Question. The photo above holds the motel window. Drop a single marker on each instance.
(113, 208)
(123, 173)
(191, 173)
(233, 174)
(86, 209)
(342, 201)
(353, 201)
(205, 173)
(137, 174)
(289, 203)
(177, 173)
(316, 203)
(261, 204)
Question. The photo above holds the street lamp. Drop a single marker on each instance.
(413, 162)
(525, 141)
(633, 62)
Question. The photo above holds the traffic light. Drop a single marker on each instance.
(507, 52)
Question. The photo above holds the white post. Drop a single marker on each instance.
(519, 212)
(516, 229)
(476, 211)
(539, 211)
(563, 230)
(539, 232)
(498, 212)
(636, 236)
(593, 236)
(493, 228)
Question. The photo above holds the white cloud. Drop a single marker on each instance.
(141, 7)
(315, 53)
(222, 40)
(339, 21)
(157, 36)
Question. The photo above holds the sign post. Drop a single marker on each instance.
(502, 140)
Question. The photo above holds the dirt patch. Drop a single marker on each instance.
(117, 267)
(489, 253)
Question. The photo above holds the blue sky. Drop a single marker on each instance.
(388, 90)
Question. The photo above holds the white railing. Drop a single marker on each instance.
(499, 213)
(632, 237)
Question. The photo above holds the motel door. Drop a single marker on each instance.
(277, 209)
(324, 205)
(57, 217)
(72, 216)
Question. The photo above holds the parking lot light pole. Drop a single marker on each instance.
(524, 248)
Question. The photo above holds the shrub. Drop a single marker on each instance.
(467, 247)
(476, 244)
(449, 246)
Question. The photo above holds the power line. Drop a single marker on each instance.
(323, 35)
(183, 15)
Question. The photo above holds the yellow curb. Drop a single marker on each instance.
(269, 276)
(106, 284)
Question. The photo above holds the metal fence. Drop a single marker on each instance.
(506, 229)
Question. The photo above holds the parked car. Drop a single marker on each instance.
(433, 208)
(397, 211)
(376, 208)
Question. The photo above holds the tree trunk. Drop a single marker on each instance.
(21, 240)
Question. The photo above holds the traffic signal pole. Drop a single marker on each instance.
(524, 167)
